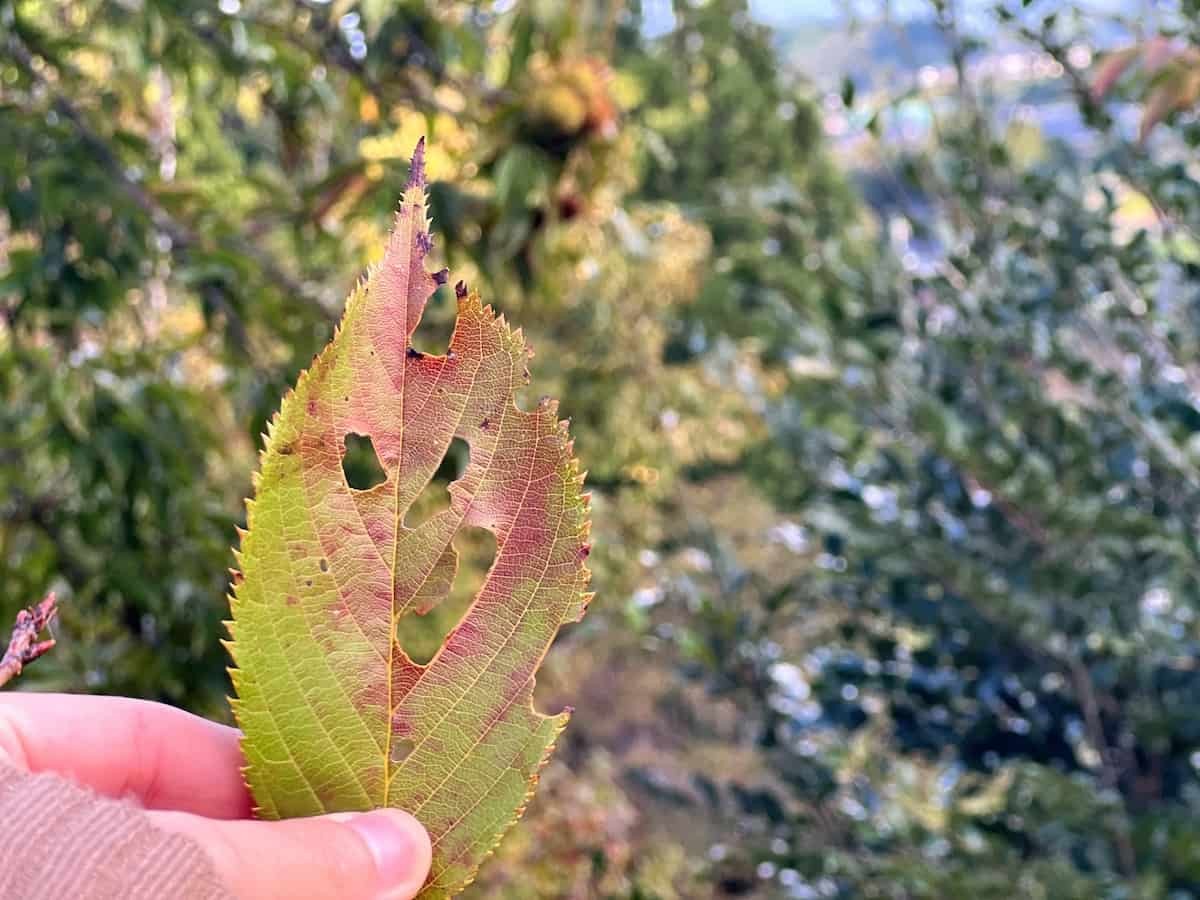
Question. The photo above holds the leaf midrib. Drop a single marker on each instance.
(416, 262)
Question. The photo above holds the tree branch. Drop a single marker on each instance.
(24, 646)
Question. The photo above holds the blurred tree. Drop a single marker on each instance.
(976, 677)
(186, 192)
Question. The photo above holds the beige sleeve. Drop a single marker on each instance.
(59, 840)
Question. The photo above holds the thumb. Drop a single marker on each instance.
(380, 855)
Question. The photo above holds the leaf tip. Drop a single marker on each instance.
(416, 170)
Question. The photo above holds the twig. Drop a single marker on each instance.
(1110, 772)
(24, 646)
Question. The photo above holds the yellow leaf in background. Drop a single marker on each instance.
(991, 798)
(1026, 143)
(368, 108)
(249, 103)
(92, 63)
(627, 90)
(450, 97)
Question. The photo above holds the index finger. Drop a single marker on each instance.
(163, 757)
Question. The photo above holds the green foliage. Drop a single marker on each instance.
(988, 464)
(186, 195)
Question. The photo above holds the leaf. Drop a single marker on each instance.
(1110, 70)
(1166, 97)
(848, 91)
(336, 716)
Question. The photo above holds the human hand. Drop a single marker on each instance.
(186, 772)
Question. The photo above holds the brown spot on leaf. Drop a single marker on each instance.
(291, 600)
(401, 749)
(413, 353)
(324, 564)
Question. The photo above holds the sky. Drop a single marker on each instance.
(788, 12)
(659, 19)
(783, 13)
(658, 15)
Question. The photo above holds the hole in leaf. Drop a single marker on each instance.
(437, 323)
(401, 749)
(360, 463)
(551, 688)
(436, 496)
(454, 463)
(421, 636)
(527, 396)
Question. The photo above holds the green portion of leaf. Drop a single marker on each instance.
(336, 716)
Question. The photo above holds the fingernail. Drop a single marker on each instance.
(400, 847)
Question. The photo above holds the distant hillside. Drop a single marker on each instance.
(826, 50)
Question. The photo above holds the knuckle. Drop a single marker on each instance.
(12, 739)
